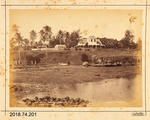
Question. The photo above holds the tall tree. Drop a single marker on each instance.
(74, 37)
(13, 41)
(52, 42)
(33, 36)
(45, 35)
(26, 43)
(128, 39)
(17, 41)
(67, 39)
(59, 37)
(47, 32)
(42, 37)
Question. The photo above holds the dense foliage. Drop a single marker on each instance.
(70, 39)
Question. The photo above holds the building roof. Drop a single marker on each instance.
(90, 41)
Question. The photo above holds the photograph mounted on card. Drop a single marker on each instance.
(75, 57)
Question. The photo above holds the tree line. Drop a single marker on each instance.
(70, 39)
(46, 36)
(126, 42)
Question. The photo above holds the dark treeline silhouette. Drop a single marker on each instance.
(70, 39)
(46, 38)
(125, 42)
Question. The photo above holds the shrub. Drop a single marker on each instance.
(84, 57)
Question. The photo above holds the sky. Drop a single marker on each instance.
(91, 22)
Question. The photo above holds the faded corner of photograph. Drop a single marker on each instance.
(75, 57)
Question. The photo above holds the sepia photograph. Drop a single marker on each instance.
(75, 57)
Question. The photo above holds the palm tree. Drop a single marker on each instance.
(19, 40)
(47, 32)
(17, 36)
(67, 39)
(60, 36)
(26, 43)
(42, 37)
(33, 36)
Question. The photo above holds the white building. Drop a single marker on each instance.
(90, 42)
(82, 42)
(60, 47)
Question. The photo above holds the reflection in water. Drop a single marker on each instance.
(118, 89)
(105, 90)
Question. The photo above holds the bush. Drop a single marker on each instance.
(84, 57)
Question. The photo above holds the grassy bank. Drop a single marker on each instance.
(72, 74)
(74, 56)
